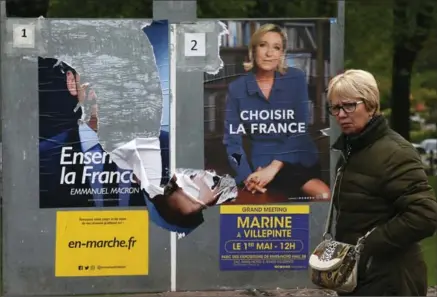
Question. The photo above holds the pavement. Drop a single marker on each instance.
(253, 292)
(239, 293)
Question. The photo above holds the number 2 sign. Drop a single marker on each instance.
(195, 44)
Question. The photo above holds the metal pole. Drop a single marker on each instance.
(173, 117)
(175, 11)
(337, 65)
(2, 38)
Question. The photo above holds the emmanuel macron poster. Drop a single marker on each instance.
(100, 87)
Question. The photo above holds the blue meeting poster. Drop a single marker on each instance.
(264, 237)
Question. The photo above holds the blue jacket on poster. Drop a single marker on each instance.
(276, 128)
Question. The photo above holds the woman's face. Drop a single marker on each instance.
(269, 51)
(351, 114)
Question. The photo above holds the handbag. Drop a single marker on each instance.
(334, 264)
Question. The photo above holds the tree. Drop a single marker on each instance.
(24, 9)
(224, 9)
(413, 21)
(368, 39)
(101, 9)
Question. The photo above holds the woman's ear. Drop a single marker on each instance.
(71, 83)
(371, 111)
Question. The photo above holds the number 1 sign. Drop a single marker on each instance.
(195, 44)
(24, 36)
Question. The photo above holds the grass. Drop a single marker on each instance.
(429, 246)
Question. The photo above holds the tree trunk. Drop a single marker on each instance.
(261, 9)
(403, 61)
(406, 48)
(326, 8)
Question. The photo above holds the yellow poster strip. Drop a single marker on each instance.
(102, 243)
(264, 209)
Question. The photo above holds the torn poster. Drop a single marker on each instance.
(99, 89)
(189, 192)
(99, 144)
(211, 63)
(177, 206)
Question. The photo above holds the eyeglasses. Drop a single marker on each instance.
(348, 107)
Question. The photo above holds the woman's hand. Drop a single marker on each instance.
(253, 187)
(263, 176)
(252, 183)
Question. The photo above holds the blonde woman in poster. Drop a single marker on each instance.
(270, 105)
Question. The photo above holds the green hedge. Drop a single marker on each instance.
(418, 135)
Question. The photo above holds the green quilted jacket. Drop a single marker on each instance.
(381, 184)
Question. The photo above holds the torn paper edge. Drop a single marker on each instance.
(184, 175)
(189, 187)
(224, 31)
(135, 164)
(145, 25)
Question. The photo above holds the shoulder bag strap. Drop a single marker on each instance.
(327, 234)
